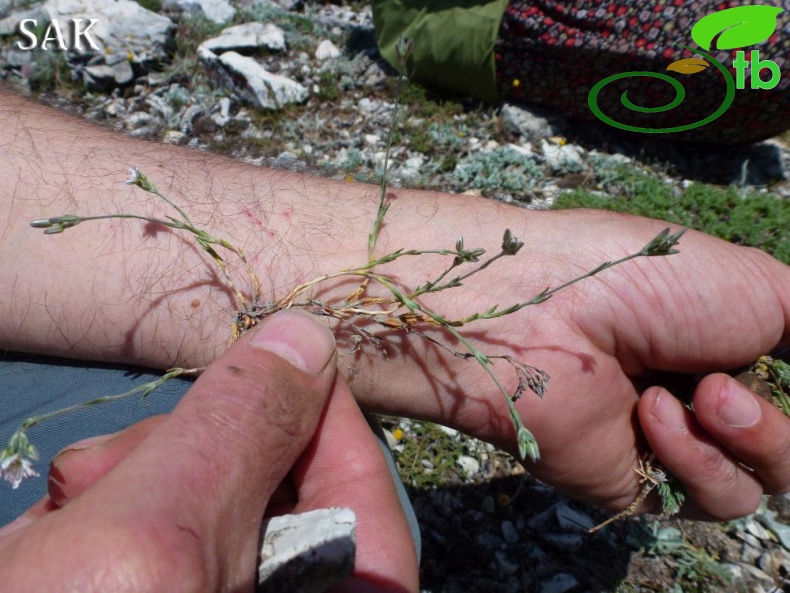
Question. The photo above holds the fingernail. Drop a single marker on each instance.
(669, 412)
(297, 338)
(15, 525)
(737, 406)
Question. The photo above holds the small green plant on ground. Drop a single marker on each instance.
(426, 104)
(696, 569)
(501, 169)
(400, 309)
(152, 5)
(758, 219)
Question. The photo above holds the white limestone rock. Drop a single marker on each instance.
(326, 50)
(127, 36)
(307, 553)
(247, 37)
(217, 11)
(251, 81)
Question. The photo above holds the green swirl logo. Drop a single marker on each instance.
(731, 28)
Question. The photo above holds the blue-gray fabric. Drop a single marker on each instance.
(36, 385)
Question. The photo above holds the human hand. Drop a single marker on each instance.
(712, 307)
(175, 503)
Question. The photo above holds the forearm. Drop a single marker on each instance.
(127, 291)
(135, 292)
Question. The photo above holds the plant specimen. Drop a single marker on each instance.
(401, 308)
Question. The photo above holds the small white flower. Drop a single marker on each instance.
(14, 469)
(134, 176)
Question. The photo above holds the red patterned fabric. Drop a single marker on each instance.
(553, 52)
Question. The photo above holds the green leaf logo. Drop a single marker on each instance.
(739, 26)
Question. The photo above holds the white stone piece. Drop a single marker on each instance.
(217, 11)
(307, 553)
(124, 32)
(105, 75)
(326, 50)
(469, 465)
(247, 36)
(252, 82)
(534, 123)
(123, 29)
(559, 156)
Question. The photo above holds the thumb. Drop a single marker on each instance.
(239, 430)
(198, 485)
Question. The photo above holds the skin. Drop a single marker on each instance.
(175, 503)
(130, 292)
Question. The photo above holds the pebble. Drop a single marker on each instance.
(563, 541)
(757, 574)
(450, 432)
(570, 519)
(509, 532)
(469, 465)
(327, 50)
(506, 565)
(488, 505)
(559, 583)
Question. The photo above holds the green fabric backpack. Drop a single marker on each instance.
(453, 41)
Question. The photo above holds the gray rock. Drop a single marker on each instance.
(10, 24)
(572, 520)
(7, 6)
(16, 58)
(757, 574)
(189, 116)
(307, 553)
(488, 505)
(469, 465)
(284, 4)
(126, 34)
(247, 37)
(566, 542)
(750, 553)
(175, 137)
(505, 565)
(780, 530)
(344, 17)
(561, 157)
(756, 529)
(534, 123)
(772, 561)
(509, 532)
(559, 583)
(375, 75)
(106, 76)
(217, 11)
(138, 120)
(251, 82)
(326, 50)
(411, 169)
(288, 160)
(488, 540)
(220, 115)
